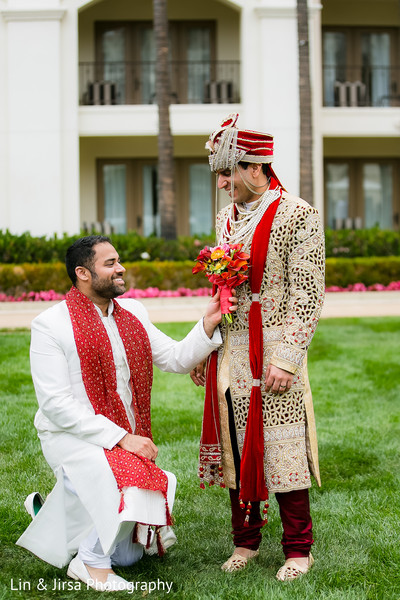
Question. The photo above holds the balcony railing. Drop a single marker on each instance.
(361, 86)
(191, 82)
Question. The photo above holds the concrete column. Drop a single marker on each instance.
(251, 65)
(40, 137)
(270, 80)
(280, 93)
(71, 213)
(4, 208)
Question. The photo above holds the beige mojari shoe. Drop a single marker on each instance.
(237, 562)
(292, 570)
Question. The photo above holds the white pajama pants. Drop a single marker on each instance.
(90, 552)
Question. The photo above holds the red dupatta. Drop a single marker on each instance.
(100, 381)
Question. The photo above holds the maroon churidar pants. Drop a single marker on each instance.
(294, 509)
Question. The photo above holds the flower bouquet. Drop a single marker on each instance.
(225, 266)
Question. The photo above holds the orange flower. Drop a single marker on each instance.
(217, 253)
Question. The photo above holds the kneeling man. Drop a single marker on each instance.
(92, 366)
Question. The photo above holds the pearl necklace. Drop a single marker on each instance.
(237, 231)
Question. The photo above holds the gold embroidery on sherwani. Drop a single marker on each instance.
(291, 299)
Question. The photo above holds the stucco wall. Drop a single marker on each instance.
(361, 12)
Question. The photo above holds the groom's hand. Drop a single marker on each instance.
(197, 374)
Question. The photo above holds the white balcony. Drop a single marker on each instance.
(360, 122)
(142, 120)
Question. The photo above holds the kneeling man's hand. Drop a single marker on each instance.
(213, 314)
(139, 444)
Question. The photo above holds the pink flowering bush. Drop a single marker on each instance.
(360, 287)
(48, 296)
(153, 292)
(150, 292)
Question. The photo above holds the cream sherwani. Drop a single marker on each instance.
(291, 298)
(73, 437)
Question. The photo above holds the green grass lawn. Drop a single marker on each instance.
(354, 371)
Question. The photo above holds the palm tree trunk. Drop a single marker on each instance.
(306, 129)
(166, 175)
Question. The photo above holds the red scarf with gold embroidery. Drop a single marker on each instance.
(100, 381)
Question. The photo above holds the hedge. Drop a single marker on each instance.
(367, 270)
(169, 275)
(165, 275)
(350, 243)
(341, 243)
(16, 249)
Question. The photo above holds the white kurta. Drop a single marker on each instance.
(73, 437)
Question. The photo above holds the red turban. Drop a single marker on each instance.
(230, 145)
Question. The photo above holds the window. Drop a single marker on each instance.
(201, 217)
(197, 44)
(125, 54)
(361, 67)
(337, 189)
(377, 182)
(128, 196)
(334, 64)
(114, 186)
(113, 51)
(375, 53)
(151, 214)
(362, 193)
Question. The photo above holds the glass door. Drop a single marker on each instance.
(335, 60)
(199, 67)
(378, 195)
(147, 74)
(192, 48)
(128, 196)
(114, 193)
(201, 218)
(375, 50)
(151, 214)
(112, 57)
(338, 194)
